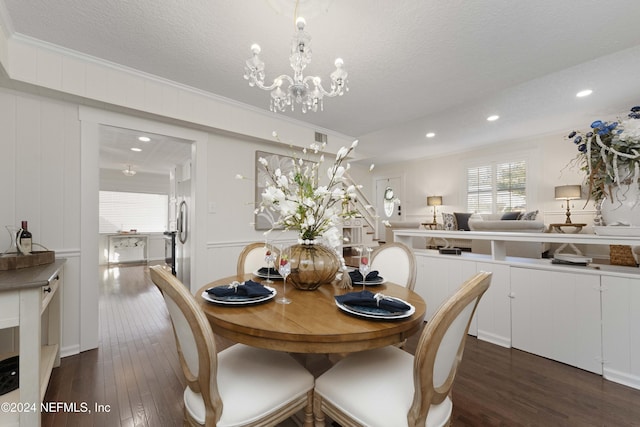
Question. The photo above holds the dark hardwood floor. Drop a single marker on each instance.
(135, 375)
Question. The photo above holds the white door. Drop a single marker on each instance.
(389, 187)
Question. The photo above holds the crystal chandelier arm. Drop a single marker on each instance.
(278, 81)
(338, 82)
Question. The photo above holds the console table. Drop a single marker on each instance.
(574, 229)
(126, 241)
(30, 299)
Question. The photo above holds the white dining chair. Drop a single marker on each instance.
(396, 263)
(239, 386)
(251, 257)
(390, 387)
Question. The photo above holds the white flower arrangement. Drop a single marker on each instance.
(302, 204)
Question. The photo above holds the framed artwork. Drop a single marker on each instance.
(264, 220)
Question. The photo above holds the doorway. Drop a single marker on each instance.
(91, 119)
(136, 164)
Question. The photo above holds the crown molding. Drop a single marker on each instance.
(65, 52)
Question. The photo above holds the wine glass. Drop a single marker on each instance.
(284, 268)
(269, 258)
(364, 266)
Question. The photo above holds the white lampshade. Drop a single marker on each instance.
(568, 192)
(434, 201)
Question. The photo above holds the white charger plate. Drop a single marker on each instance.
(261, 275)
(239, 300)
(373, 315)
(378, 281)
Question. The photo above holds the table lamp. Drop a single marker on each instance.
(568, 192)
(434, 201)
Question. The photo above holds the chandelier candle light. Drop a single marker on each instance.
(307, 91)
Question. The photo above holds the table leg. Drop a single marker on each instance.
(571, 245)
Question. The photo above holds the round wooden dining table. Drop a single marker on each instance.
(312, 323)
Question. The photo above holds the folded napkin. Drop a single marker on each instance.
(356, 276)
(248, 288)
(369, 299)
(272, 271)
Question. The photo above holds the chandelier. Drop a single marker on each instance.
(287, 91)
(128, 171)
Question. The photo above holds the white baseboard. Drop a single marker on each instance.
(71, 350)
(494, 339)
(621, 378)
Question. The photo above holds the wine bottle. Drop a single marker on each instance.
(25, 237)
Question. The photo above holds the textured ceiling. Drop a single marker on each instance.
(159, 155)
(414, 65)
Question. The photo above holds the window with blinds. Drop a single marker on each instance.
(120, 211)
(497, 187)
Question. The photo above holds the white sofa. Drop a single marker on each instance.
(494, 223)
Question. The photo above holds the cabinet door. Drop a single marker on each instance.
(621, 330)
(494, 310)
(557, 315)
(439, 277)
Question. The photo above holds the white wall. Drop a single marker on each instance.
(40, 174)
(550, 165)
(548, 157)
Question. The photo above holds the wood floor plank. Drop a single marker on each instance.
(136, 372)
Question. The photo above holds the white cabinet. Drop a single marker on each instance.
(494, 310)
(439, 277)
(30, 298)
(588, 317)
(557, 315)
(621, 329)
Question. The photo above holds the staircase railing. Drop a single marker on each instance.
(363, 206)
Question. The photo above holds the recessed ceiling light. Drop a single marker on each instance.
(493, 118)
(136, 149)
(430, 135)
(144, 138)
(584, 93)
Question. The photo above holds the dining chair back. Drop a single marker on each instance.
(389, 387)
(238, 386)
(396, 263)
(251, 257)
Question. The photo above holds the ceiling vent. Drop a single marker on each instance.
(321, 138)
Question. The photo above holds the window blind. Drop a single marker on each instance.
(497, 187)
(120, 211)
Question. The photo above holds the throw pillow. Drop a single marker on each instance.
(449, 221)
(511, 216)
(462, 220)
(529, 216)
